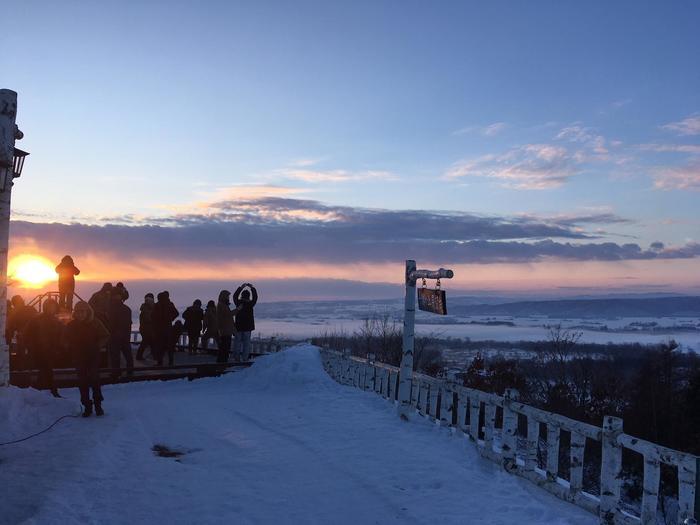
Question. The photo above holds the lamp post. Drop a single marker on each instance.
(11, 164)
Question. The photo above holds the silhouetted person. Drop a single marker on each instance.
(194, 318)
(121, 290)
(16, 323)
(100, 301)
(211, 330)
(175, 333)
(164, 313)
(225, 325)
(9, 312)
(66, 271)
(120, 334)
(44, 336)
(245, 300)
(86, 336)
(146, 326)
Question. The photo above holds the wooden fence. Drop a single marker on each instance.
(258, 345)
(493, 423)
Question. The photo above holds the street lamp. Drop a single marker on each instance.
(17, 165)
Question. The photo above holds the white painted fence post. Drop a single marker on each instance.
(553, 435)
(474, 409)
(610, 470)
(533, 439)
(687, 489)
(577, 449)
(650, 497)
(510, 428)
(446, 401)
(409, 321)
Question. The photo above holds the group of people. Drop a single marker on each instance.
(105, 322)
(219, 322)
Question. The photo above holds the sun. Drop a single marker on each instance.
(31, 271)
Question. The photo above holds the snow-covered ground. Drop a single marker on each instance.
(278, 443)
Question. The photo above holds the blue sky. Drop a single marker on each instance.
(549, 111)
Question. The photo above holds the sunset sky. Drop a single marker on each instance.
(531, 146)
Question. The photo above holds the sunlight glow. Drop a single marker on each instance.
(31, 271)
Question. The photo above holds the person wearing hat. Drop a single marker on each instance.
(86, 336)
(43, 336)
(66, 271)
(164, 313)
(146, 326)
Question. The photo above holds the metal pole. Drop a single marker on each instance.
(409, 322)
(8, 131)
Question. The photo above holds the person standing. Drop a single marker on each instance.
(225, 325)
(210, 326)
(66, 271)
(43, 336)
(17, 321)
(164, 313)
(86, 336)
(245, 299)
(120, 335)
(194, 317)
(100, 302)
(146, 326)
(175, 333)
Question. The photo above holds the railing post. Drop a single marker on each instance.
(610, 470)
(446, 400)
(510, 427)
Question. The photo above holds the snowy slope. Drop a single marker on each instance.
(277, 443)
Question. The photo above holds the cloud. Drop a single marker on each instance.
(586, 137)
(295, 231)
(532, 167)
(693, 149)
(307, 175)
(688, 126)
(490, 130)
(679, 178)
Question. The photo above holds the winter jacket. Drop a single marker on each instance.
(224, 319)
(210, 325)
(66, 271)
(100, 301)
(145, 318)
(43, 336)
(193, 317)
(164, 313)
(245, 319)
(85, 339)
(119, 321)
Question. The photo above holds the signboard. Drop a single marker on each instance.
(434, 301)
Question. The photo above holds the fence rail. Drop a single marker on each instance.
(493, 423)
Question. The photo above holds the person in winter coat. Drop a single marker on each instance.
(120, 334)
(245, 319)
(175, 333)
(66, 271)
(225, 325)
(210, 325)
(164, 313)
(146, 326)
(43, 336)
(86, 336)
(100, 302)
(194, 317)
(17, 321)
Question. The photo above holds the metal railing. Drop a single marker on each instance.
(454, 405)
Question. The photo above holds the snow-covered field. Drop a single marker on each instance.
(277, 443)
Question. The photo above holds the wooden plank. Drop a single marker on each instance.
(611, 465)
(533, 437)
(650, 496)
(474, 410)
(687, 476)
(577, 451)
(423, 399)
(433, 401)
(510, 427)
(489, 424)
(446, 398)
(553, 436)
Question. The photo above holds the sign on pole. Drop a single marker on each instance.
(432, 300)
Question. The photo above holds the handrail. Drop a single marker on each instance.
(454, 405)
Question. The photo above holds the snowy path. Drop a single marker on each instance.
(277, 443)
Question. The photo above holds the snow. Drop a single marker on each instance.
(279, 442)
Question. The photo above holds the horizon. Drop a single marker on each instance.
(569, 163)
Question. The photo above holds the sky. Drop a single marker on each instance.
(527, 145)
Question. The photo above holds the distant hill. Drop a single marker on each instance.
(581, 308)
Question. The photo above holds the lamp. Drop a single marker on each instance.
(17, 166)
